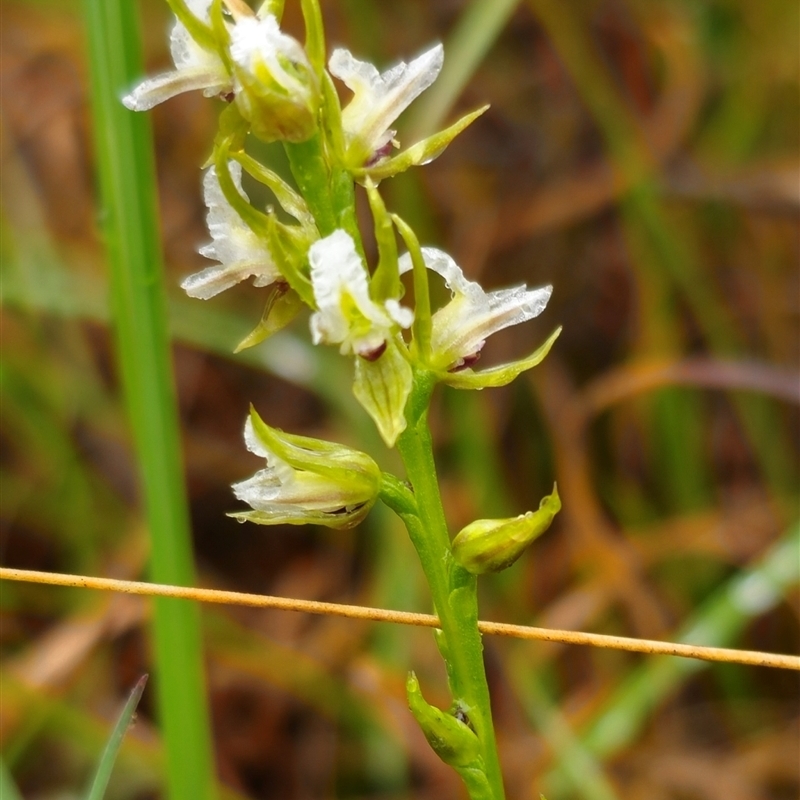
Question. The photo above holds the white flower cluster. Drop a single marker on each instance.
(281, 92)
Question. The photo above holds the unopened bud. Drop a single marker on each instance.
(451, 738)
(491, 545)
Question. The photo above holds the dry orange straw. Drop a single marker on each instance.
(748, 657)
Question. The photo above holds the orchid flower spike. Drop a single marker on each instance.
(306, 481)
(195, 68)
(379, 99)
(346, 313)
(460, 328)
(240, 252)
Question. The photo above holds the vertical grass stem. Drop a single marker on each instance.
(126, 174)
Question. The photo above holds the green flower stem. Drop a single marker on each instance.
(329, 191)
(453, 589)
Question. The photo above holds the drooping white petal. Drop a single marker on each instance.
(240, 252)
(460, 328)
(380, 98)
(152, 91)
(346, 314)
(195, 68)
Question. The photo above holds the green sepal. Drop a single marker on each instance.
(288, 245)
(318, 456)
(222, 35)
(198, 29)
(385, 281)
(274, 7)
(300, 518)
(290, 201)
(498, 376)
(315, 35)
(491, 545)
(421, 328)
(274, 115)
(382, 387)
(422, 152)
(231, 133)
(283, 305)
(256, 220)
(450, 738)
(331, 121)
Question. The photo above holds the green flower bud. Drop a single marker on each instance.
(491, 545)
(451, 739)
(306, 481)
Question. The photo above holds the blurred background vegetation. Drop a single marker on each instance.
(640, 156)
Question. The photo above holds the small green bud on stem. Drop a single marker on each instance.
(491, 545)
(451, 739)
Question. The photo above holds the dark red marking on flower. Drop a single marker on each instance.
(228, 97)
(380, 154)
(465, 363)
(374, 355)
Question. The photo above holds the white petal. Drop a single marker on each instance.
(240, 252)
(461, 327)
(282, 471)
(336, 267)
(379, 99)
(259, 43)
(153, 91)
(404, 317)
(252, 442)
(185, 50)
(211, 281)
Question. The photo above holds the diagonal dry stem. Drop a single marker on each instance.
(648, 646)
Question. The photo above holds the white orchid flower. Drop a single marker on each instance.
(240, 252)
(379, 99)
(306, 481)
(195, 68)
(258, 45)
(276, 88)
(460, 328)
(346, 313)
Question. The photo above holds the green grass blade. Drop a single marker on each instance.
(125, 161)
(8, 789)
(718, 623)
(103, 774)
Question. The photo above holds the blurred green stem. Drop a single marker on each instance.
(8, 789)
(453, 589)
(126, 171)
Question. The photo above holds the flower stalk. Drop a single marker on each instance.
(453, 589)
